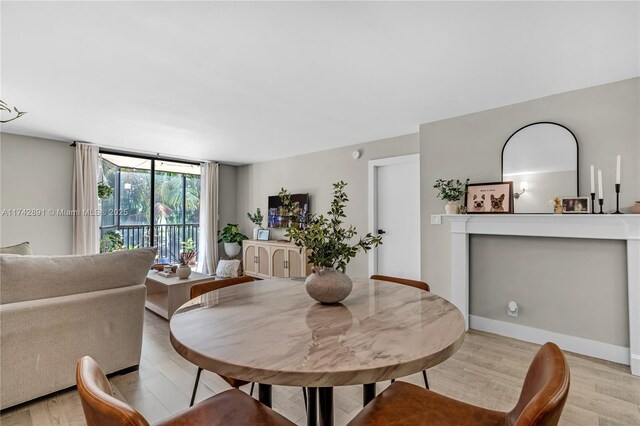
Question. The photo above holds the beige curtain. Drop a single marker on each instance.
(86, 222)
(208, 244)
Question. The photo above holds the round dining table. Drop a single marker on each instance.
(273, 333)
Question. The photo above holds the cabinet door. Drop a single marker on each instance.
(249, 259)
(294, 263)
(278, 269)
(263, 261)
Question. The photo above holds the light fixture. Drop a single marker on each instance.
(356, 154)
(524, 185)
(5, 107)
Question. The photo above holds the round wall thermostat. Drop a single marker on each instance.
(355, 154)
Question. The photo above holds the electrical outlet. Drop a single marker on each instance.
(512, 309)
(436, 219)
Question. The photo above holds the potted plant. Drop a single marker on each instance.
(256, 219)
(328, 246)
(451, 191)
(232, 239)
(104, 190)
(187, 258)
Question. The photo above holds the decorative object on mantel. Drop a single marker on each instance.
(327, 245)
(617, 186)
(492, 197)
(556, 203)
(600, 192)
(256, 219)
(232, 239)
(579, 205)
(6, 108)
(451, 191)
(545, 155)
(593, 190)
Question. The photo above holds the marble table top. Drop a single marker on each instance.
(272, 332)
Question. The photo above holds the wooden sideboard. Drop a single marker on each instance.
(274, 259)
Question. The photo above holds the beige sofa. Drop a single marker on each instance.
(55, 309)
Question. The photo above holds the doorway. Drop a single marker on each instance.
(394, 212)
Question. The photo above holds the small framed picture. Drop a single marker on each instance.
(575, 205)
(492, 197)
(263, 234)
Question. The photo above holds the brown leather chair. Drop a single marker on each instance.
(542, 399)
(412, 283)
(231, 407)
(199, 290)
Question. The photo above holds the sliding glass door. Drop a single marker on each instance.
(153, 203)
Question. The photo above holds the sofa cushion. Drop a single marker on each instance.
(38, 277)
(23, 249)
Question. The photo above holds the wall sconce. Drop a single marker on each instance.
(524, 185)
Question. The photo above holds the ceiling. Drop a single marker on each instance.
(246, 82)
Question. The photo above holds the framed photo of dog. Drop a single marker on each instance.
(493, 197)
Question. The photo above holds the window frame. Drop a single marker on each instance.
(153, 159)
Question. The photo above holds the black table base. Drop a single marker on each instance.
(319, 402)
(264, 394)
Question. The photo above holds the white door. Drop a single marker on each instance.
(396, 215)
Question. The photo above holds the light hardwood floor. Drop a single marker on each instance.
(488, 371)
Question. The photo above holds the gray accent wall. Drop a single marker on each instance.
(314, 173)
(36, 174)
(569, 292)
(606, 122)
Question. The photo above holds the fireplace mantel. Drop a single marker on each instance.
(593, 226)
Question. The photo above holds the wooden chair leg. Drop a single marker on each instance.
(252, 386)
(195, 387)
(424, 376)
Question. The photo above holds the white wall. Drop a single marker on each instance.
(36, 174)
(605, 120)
(314, 173)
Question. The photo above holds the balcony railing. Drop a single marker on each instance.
(167, 238)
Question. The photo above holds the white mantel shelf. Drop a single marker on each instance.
(591, 226)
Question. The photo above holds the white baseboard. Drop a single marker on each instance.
(580, 345)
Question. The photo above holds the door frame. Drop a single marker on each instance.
(373, 198)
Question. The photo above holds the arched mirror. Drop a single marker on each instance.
(542, 161)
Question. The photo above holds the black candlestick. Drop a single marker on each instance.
(601, 202)
(617, 199)
(593, 199)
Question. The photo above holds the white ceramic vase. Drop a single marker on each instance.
(183, 272)
(327, 285)
(232, 249)
(255, 232)
(451, 207)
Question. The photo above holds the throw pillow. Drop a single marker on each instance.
(227, 268)
(23, 249)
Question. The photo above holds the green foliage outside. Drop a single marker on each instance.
(324, 237)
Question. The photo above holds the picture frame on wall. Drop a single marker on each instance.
(263, 234)
(489, 198)
(575, 205)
